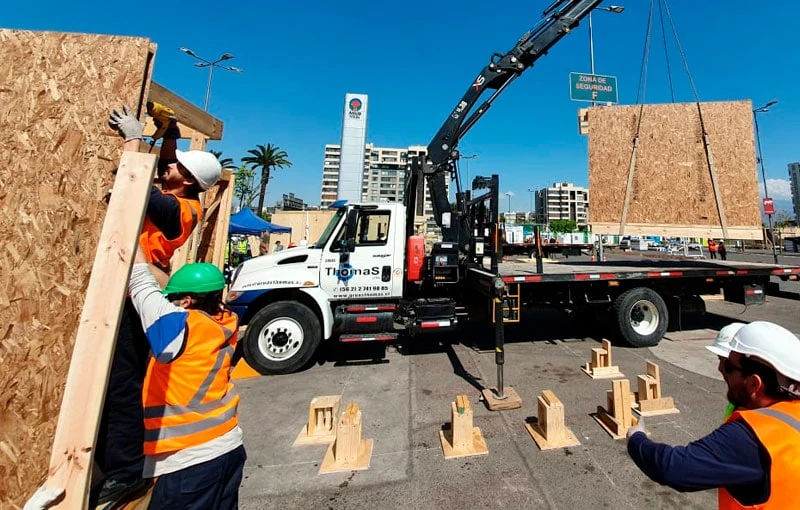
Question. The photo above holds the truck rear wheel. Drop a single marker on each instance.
(281, 338)
(641, 317)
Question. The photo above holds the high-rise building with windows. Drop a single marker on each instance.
(563, 201)
(383, 180)
(794, 182)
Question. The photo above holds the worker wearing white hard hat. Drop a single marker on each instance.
(754, 457)
(722, 348)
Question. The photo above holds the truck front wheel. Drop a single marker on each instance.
(281, 338)
(641, 317)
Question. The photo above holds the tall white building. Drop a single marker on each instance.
(794, 181)
(351, 155)
(563, 201)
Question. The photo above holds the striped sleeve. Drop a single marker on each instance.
(164, 323)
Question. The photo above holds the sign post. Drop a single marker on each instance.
(593, 88)
(769, 207)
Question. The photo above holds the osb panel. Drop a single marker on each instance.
(672, 183)
(296, 220)
(56, 91)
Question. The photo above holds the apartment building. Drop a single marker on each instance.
(383, 180)
(563, 201)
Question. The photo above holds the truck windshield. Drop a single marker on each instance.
(326, 234)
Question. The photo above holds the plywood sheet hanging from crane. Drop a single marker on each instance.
(56, 91)
(672, 192)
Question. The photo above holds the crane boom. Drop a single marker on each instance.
(557, 21)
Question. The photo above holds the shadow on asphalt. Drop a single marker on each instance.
(538, 325)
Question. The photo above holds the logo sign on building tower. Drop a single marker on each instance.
(355, 106)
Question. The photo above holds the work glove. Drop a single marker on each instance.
(639, 427)
(43, 498)
(128, 126)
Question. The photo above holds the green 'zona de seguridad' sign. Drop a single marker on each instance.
(593, 87)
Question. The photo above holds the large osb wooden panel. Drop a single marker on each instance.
(672, 184)
(296, 220)
(56, 91)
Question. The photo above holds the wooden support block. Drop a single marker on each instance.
(348, 452)
(321, 425)
(649, 401)
(618, 417)
(550, 431)
(600, 367)
(512, 399)
(462, 439)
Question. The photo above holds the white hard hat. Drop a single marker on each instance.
(771, 343)
(722, 344)
(204, 166)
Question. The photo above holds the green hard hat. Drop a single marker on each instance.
(197, 278)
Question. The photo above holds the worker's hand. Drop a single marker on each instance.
(639, 427)
(43, 498)
(128, 126)
(173, 132)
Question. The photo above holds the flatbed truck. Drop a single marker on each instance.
(370, 277)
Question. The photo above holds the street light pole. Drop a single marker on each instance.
(756, 111)
(531, 191)
(616, 9)
(211, 65)
(472, 156)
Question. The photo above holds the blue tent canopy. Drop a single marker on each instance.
(246, 222)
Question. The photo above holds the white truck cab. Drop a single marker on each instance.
(287, 298)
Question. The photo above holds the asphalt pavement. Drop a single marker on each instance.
(404, 393)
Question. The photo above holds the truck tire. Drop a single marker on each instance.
(281, 338)
(640, 316)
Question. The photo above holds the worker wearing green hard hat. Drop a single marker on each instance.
(197, 278)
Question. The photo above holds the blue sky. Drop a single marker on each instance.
(415, 60)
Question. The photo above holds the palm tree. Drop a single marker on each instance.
(225, 162)
(266, 158)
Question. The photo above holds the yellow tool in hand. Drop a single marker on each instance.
(162, 117)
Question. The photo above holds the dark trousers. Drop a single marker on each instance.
(120, 440)
(212, 485)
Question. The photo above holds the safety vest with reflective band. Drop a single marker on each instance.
(157, 248)
(191, 400)
(777, 428)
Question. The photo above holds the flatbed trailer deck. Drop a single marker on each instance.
(640, 297)
(524, 270)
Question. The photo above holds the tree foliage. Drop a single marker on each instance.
(244, 185)
(265, 158)
(563, 226)
(225, 162)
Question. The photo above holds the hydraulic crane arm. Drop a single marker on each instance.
(558, 20)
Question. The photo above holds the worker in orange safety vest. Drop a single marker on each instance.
(193, 443)
(754, 457)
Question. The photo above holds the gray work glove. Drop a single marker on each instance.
(126, 124)
(639, 427)
(43, 498)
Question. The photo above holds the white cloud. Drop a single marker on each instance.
(779, 189)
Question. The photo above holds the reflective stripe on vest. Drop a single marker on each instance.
(158, 249)
(175, 414)
(777, 429)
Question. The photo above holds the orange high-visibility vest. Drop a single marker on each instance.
(157, 248)
(777, 428)
(191, 400)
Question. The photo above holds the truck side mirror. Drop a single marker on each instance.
(349, 242)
